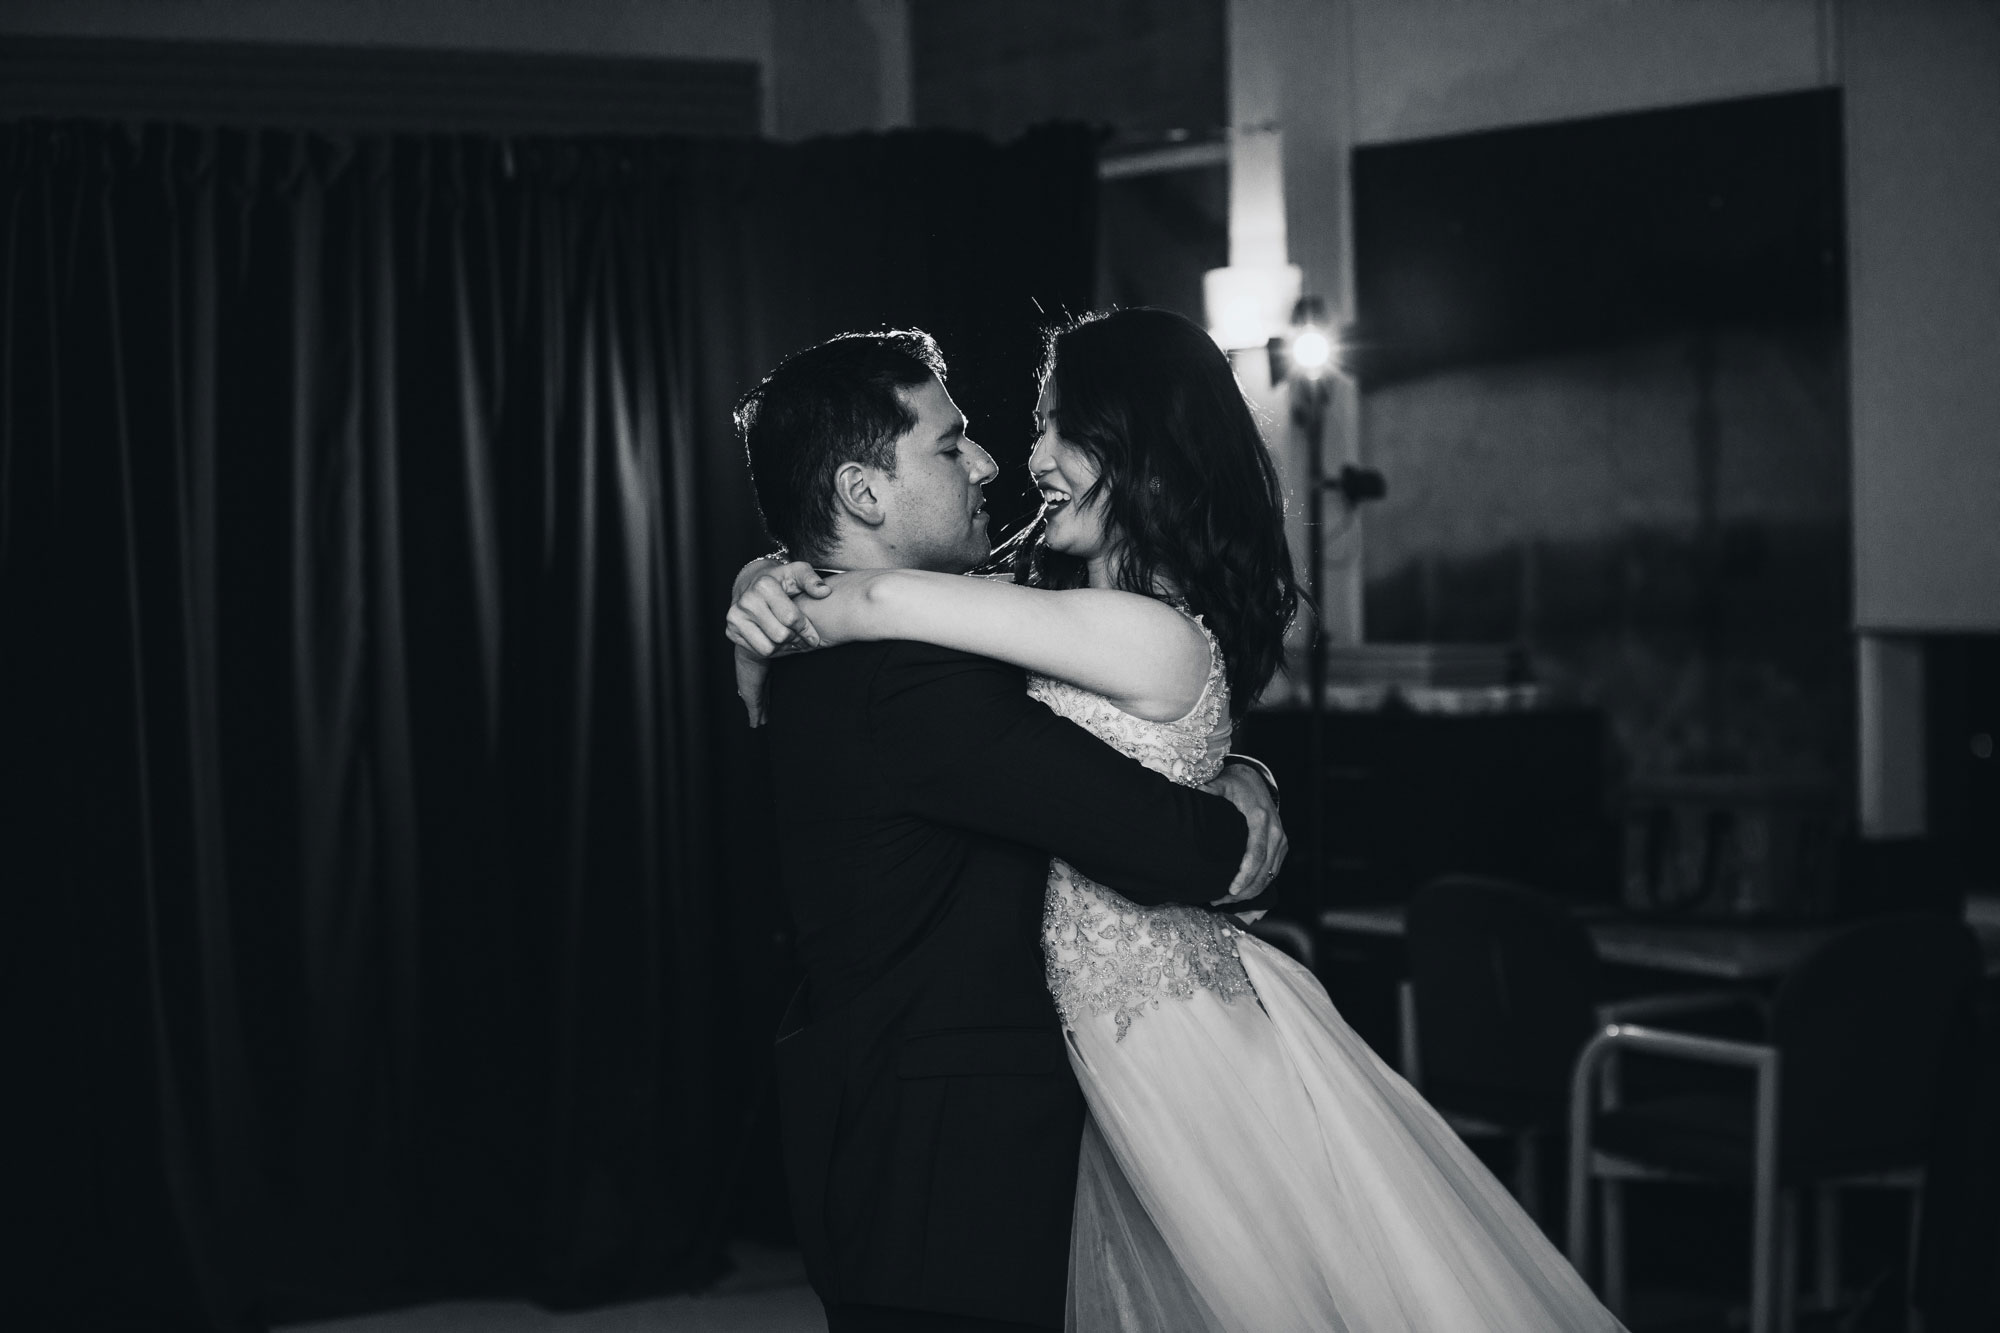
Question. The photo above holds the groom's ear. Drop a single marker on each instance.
(858, 490)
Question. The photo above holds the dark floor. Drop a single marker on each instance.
(767, 1293)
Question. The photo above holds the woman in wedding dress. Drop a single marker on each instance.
(1250, 1165)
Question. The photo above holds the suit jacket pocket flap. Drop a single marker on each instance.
(963, 1052)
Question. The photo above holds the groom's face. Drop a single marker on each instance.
(935, 505)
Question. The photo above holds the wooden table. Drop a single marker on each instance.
(1715, 951)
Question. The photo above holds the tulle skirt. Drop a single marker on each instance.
(1251, 1166)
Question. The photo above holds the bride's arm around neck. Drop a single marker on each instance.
(1143, 655)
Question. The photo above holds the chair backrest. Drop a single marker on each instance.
(1862, 1026)
(1505, 981)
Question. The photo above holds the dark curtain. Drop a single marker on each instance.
(387, 914)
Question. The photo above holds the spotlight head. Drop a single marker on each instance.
(1312, 351)
(1310, 347)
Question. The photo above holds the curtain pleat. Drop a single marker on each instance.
(482, 532)
(95, 236)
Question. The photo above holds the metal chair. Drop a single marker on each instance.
(1500, 999)
(1844, 1090)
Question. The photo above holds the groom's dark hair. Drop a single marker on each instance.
(835, 402)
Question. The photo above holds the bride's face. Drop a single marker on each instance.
(1064, 473)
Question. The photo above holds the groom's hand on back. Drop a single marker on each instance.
(1264, 850)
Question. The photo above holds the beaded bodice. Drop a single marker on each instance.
(1105, 953)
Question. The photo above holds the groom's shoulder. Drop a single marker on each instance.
(904, 664)
(900, 673)
(889, 667)
(908, 653)
(890, 692)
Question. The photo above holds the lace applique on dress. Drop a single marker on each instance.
(1105, 953)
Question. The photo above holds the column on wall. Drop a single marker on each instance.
(1923, 195)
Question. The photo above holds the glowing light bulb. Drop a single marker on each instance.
(1312, 350)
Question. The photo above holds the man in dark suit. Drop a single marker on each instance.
(930, 1119)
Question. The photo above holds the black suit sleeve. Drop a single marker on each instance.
(973, 750)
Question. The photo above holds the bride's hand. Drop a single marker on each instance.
(764, 620)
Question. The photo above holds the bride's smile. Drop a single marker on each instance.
(1068, 479)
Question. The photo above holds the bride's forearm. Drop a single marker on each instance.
(1137, 651)
(865, 604)
(944, 609)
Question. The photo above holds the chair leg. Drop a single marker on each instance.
(1826, 1247)
(1528, 1174)
(1764, 1257)
(1764, 1201)
(1913, 1318)
(1576, 1220)
(1614, 1247)
(1406, 1034)
(1788, 1260)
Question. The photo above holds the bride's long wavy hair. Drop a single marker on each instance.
(1190, 492)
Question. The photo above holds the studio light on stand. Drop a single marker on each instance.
(1246, 305)
(1307, 358)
